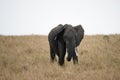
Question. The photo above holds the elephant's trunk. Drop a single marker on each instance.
(69, 55)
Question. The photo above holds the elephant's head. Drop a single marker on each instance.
(70, 40)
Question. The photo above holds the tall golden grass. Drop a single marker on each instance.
(27, 58)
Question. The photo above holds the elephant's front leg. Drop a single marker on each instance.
(62, 51)
(75, 56)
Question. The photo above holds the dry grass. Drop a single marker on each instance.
(27, 58)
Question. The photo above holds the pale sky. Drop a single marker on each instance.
(21, 17)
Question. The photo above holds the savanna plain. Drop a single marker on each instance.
(28, 58)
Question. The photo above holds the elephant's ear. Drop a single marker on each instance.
(80, 33)
(55, 32)
(79, 29)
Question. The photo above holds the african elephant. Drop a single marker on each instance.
(65, 38)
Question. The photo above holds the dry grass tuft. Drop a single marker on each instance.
(27, 58)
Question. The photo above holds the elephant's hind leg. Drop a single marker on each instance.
(62, 51)
(52, 54)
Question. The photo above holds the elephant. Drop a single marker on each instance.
(65, 38)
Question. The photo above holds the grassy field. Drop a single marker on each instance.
(27, 58)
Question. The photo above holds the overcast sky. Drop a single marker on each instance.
(20, 17)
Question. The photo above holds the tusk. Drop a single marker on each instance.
(66, 52)
(76, 51)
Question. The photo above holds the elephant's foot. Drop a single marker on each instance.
(53, 60)
(75, 60)
(61, 63)
(68, 58)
